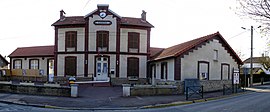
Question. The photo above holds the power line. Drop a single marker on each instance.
(86, 3)
(238, 34)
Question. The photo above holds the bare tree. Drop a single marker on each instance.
(258, 10)
(240, 54)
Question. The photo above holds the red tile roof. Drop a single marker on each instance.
(185, 47)
(135, 21)
(79, 20)
(38, 51)
(154, 51)
(73, 20)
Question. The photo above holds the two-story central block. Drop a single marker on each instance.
(102, 45)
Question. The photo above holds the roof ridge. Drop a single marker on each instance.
(38, 46)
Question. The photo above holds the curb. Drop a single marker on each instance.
(190, 102)
(64, 108)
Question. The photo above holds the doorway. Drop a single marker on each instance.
(102, 68)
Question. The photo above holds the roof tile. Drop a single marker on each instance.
(33, 51)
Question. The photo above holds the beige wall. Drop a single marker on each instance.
(124, 39)
(94, 28)
(206, 53)
(123, 65)
(61, 64)
(80, 38)
(43, 63)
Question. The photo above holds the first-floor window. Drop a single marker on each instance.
(17, 64)
(34, 64)
(133, 66)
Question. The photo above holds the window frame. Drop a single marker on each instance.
(215, 55)
(208, 69)
(106, 41)
(68, 38)
(164, 65)
(131, 69)
(65, 66)
(131, 40)
(14, 63)
(30, 63)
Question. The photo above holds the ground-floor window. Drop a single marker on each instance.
(133, 67)
(17, 64)
(164, 70)
(203, 70)
(70, 66)
(225, 71)
(33, 64)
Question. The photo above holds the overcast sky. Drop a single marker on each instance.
(26, 23)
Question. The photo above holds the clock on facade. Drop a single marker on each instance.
(102, 14)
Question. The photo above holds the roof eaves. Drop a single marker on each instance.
(115, 13)
(87, 15)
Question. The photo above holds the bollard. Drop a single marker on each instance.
(74, 90)
(126, 89)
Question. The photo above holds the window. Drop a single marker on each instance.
(34, 64)
(133, 67)
(133, 42)
(164, 70)
(17, 64)
(225, 71)
(71, 40)
(70, 66)
(203, 70)
(102, 41)
(215, 55)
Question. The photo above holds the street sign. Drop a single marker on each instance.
(236, 77)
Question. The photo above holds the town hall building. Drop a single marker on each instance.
(104, 46)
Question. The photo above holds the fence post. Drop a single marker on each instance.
(202, 91)
(223, 89)
(186, 93)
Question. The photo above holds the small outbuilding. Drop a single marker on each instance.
(206, 58)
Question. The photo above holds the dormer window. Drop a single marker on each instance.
(133, 42)
(102, 41)
(71, 40)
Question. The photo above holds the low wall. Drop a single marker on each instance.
(120, 81)
(175, 87)
(148, 90)
(35, 90)
(215, 85)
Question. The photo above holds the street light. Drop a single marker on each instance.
(251, 55)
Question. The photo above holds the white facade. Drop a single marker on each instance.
(205, 61)
(189, 64)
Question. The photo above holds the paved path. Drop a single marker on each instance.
(97, 98)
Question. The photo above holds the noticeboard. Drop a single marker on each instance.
(236, 77)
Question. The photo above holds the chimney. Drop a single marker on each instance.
(143, 15)
(62, 15)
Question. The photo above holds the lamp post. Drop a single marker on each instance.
(251, 55)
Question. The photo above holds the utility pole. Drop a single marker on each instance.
(251, 56)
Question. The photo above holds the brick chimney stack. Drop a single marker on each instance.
(62, 15)
(143, 15)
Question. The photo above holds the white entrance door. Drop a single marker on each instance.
(102, 68)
